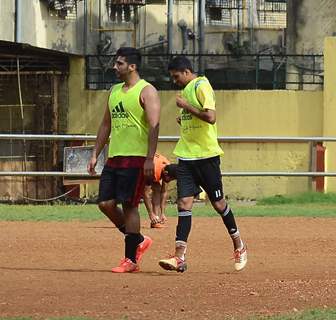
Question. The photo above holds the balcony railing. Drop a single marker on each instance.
(249, 71)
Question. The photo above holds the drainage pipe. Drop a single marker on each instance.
(201, 22)
(18, 21)
(170, 26)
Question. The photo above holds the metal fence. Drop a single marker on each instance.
(312, 140)
(225, 71)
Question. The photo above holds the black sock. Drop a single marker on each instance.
(132, 240)
(229, 220)
(183, 226)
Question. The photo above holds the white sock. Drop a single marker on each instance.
(181, 245)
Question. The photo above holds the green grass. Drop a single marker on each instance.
(302, 198)
(30, 318)
(302, 205)
(328, 314)
(49, 212)
(65, 318)
(294, 210)
(63, 213)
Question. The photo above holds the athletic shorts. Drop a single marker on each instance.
(205, 173)
(124, 185)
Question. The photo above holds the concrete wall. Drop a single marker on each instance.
(7, 14)
(239, 113)
(40, 27)
(309, 22)
(260, 113)
(329, 116)
(51, 32)
(152, 28)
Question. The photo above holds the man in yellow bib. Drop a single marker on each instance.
(198, 156)
(131, 120)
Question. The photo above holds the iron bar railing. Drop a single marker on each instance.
(81, 137)
(222, 139)
(225, 71)
(226, 174)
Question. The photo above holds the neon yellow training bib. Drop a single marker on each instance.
(198, 138)
(129, 126)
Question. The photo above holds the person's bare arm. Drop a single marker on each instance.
(206, 115)
(102, 138)
(147, 199)
(164, 198)
(156, 199)
(151, 104)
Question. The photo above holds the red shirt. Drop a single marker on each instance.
(126, 162)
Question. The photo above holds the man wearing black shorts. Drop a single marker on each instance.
(131, 120)
(199, 162)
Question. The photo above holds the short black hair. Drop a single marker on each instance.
(180, 63)
(131, 55)
(171, 170)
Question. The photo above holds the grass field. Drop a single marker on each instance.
(302, 205)
(329, 314)
(309, 315)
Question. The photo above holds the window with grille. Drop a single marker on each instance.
(272, 13)
(66, 9)
(223, 12)
(120, 11)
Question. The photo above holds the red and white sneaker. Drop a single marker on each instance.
(173, 264)
(126, 265)
(142, 248)
(240, 258)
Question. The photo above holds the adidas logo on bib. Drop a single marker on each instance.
(119, 112)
